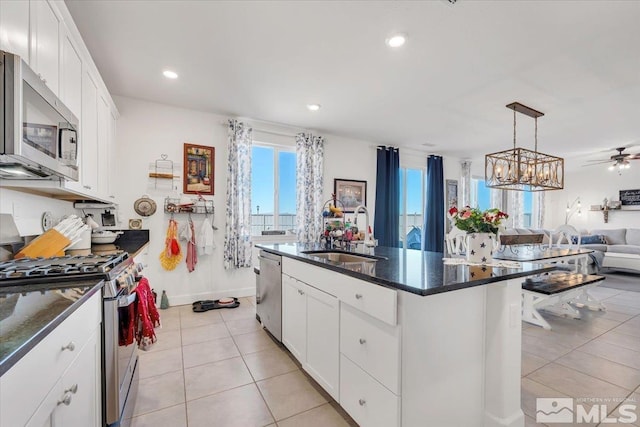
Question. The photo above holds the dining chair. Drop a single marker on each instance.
(563, 237)
(456, 241)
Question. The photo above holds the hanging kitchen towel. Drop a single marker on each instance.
(206, 244)
(147, 315)
(192, 256)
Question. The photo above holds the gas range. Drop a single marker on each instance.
(118, 271)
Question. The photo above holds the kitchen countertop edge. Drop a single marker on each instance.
(14, 357)
(543, 268)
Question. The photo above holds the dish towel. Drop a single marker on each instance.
(206, 244)
(147, 315)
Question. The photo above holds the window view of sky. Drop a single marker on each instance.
(263, 180)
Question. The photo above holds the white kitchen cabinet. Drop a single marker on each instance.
(294, 317)
(70, 354)
(323, 337)
(82, 383)
(14, 27)
(310, 330)
(71, 75)
(89, 133)
(104, 146)
(75, 399)
(45, 43)
(368, 402)
(372, 345)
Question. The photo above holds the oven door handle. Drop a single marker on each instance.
(126, 301)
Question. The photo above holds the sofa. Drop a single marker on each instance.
(617, 248)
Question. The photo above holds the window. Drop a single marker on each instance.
(480, 194)
(527, 214)
(273, 188)
(412, 188)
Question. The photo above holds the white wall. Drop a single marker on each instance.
(27, 209)
(146, 130)
(593, 184)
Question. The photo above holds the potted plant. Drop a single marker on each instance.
(482, 229)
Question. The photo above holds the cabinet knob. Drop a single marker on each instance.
(300, 292)
(66, 400)
(73, 389)
(88, 187)
(358, 296)
(71, 346)
(362, 402)
(362, 341)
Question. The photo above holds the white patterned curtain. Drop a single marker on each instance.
(465, 183)
(515, 208)
(309, 186)
(538, 210)
(237, 238)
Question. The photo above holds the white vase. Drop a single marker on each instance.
(480, 247)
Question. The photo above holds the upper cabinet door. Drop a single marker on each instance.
(14, 27)
(71, 77)
(45, 42)
(89, 132)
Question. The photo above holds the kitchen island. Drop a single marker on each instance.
(402, 339)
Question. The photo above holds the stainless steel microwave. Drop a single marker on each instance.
(39, 133)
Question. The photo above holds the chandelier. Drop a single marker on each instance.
(521, 169)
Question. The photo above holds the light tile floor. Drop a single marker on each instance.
(219, 368)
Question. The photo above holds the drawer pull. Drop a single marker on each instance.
(73, 389)
(362, 341)
(300, 292)
(362, 402)
(358, 296)
(71, 346)
(66, 400)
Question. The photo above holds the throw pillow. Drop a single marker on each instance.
(589, 240)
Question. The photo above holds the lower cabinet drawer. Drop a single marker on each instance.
(368, 402)
(372, 344)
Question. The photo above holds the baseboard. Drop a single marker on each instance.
(190, 298)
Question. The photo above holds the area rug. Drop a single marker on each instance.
(622, 281)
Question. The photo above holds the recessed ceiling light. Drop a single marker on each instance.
(313, 107)
(170, 74)
(396, 40)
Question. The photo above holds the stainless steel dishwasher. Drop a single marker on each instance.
(269, 293)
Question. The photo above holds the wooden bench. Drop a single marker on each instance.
(555, 292)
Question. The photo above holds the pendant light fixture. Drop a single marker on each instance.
(521, 169)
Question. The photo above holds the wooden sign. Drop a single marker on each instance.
(630, 197)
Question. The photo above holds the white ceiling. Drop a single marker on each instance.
(576, 61)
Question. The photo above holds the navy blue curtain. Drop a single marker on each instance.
(386, 226)
(434, 208)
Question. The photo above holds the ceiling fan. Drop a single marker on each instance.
(619, 161)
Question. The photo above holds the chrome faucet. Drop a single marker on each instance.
(366, 219)
(367, 243)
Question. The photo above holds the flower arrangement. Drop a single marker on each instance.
(473, 220)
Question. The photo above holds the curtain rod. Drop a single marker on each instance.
(272, 132)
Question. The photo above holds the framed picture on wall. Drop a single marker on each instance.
(351, 193)
(452, 193)
(198, 177)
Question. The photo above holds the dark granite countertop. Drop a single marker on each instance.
(28, 313)
(418, 272)
(133, 241)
